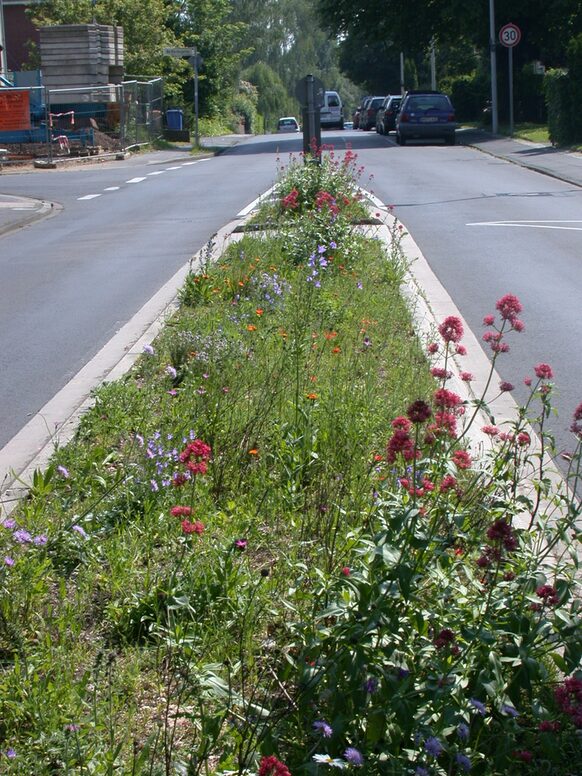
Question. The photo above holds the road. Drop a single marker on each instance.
(486, 227)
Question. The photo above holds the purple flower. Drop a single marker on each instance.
(170, 370)
(10, 753)
(322, 727)
(80, 530)
(354, 757)
(21, 536)
(463, 731)
(433, 746)
(359, 285)
(333, 245)
(148, 350)
(9, 523)
(40, 541)
(463, 762)
(478, 706)
(371, 685)
(63, 471)
(321, 249)
(421, 771)
(241, 544)
(72, 728)
(509, 710)
(8, 561)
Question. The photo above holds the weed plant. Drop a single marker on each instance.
(270, 548)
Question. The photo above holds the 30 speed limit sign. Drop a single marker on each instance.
(509, 35)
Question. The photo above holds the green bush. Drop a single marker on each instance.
(558, 103)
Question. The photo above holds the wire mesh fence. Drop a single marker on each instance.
(39, 122)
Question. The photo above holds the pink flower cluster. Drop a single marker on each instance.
(509, 308)
(323, 199)
(290, 202)
(196, 456)
(502, 537)
(569, 698)
(271, 766)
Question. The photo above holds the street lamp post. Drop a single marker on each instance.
(492, 49)
(3, 62)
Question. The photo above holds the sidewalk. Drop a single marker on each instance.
(541, 157)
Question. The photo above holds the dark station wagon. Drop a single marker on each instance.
(426, 116)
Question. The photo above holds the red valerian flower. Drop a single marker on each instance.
(467, 377)
(524, 755)
(449, 482)
(544, 371)
(445, 398)
(488, 320)
(523, 439)
(193, 528)
(195, 456)
(549, 726)
(569, 698)
(506, 387)
(271, 766)
(509, 307)
(548, 594)
(433, 348)
(419, 411)
(179, 511)
(578, 412)
(451, 329)
(444, 638)
(462, 459)
(401, 423)
(440, 373)
(461, 350)
(490, 430)
(501, 531)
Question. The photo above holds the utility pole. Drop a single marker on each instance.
(492, 49)
(402, 73)
(433, 66)
(3, 62)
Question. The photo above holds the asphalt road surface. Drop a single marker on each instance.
(486, 227)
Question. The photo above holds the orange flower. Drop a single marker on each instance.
(336, 350)
(250, 327)
(259, 312)
(313, 378)
(329, 335)
(254, 451)
(283, 333)
(311, 396)
(241, 284)
(378, 457)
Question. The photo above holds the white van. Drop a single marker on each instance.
(332, 111)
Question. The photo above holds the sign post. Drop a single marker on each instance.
(509, 36)
(309, 91)
(195, 60)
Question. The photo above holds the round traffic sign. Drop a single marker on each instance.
(509, 35)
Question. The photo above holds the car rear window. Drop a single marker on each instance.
(376, 102)
(430, 102)
(333, 101)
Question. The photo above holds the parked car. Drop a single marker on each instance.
(288, 124)
(356, 114)
(390, 113)
(332, 111)
(426, 116)
(368, 114)
(348, 124)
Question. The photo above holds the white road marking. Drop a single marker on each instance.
(157, 172)
(112, 188)
(30, 207)
(254, 204)
(173, 168)
(531, 224)
(89, 196)
(135, 180)
(186, 164)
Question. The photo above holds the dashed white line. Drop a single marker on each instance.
(187, 164)
(135, 180)
(157, 172)
(531, 224)
(173, 168)
(112, 188)
(89, 196)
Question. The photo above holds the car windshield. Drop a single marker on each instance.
(429, 102)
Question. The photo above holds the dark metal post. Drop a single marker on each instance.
(196, 133)
(311, 122)
(47, 121)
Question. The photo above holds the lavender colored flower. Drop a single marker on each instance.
(8, 561)
(463, 762)
(359, 285)
(354, 757)
(148, 350)
(371, 685)
(154, 486)
(463, 731)
(433, 746)
(8, 523)
(321, 249)
(171, 371)
(40, 540)
(333, 245)
(322, 727)
(10, 753)
(478, 706)
(72, 728)
(80, 530)
(21, 536)
(421, 771)
(63, 471)
(509, 710)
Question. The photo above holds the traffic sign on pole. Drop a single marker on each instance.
(509, 35)
(173, 51)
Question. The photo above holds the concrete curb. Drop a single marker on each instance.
(45, 210)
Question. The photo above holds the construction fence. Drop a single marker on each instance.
(37, 122)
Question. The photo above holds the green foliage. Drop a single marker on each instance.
(561, 115)
(273, 100)
(469, 94)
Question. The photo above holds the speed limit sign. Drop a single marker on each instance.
(509, 35)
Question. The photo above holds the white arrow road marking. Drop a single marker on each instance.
(89, 196)
(531, 224)
(112, 188)
(135, 180)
